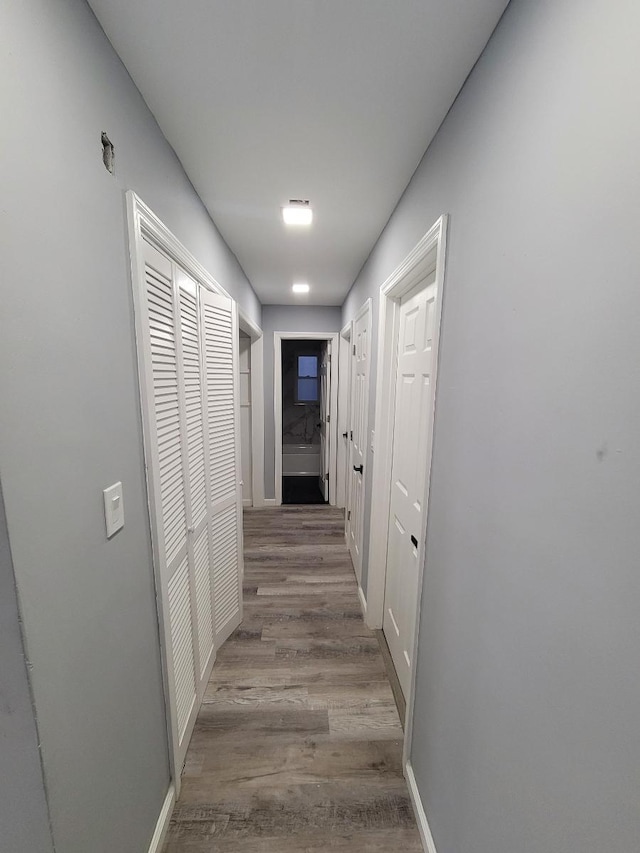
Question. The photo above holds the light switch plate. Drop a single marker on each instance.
(113, 509)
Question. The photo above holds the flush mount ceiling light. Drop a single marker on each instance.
(300, 288)
(297, 212)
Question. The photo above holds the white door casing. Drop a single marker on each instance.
(409, 479)
(325, 395)
(332, 394)
(358, 434)
(428, 254)
(186, 336)
(245, 418)
(256, 388)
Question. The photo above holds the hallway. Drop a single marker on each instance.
(298, 744)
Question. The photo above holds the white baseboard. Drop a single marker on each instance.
(270, 502)
(363, 602)
(163, 821)
(421, 817)
(247, 502)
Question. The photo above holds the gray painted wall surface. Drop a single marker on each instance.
(528, 700)
(24, 822)
(286, 318)
(70, 412)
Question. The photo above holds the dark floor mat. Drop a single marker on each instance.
(301, 490)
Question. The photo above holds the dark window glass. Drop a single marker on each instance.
(307, 379)
(307, 365)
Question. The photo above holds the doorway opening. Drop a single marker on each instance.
(305, 401)
(304, 413)
(408, 339)
(250, 348)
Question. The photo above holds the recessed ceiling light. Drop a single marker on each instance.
(297, 212)
(300, 288)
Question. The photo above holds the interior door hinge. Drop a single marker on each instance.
(354, 349)
(351, 434)
(328, 419)
(348, 515)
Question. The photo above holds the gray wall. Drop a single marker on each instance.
(24, 822)
(286, 318)
(70, 413)
(528, 697)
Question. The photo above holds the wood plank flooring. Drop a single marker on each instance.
(298, 745)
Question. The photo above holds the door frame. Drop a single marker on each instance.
(254, 331)
(278, 337)
(344, 416)
(428, 255)
(142, 224)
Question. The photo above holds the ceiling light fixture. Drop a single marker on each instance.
(300, 288)
(297, 212)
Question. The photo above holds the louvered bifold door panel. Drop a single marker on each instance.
(180, 617)
(203, 571)
(164, 413)
(196, 474)
(190, 335)
(222, 417)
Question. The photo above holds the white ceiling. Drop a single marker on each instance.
(331, 100)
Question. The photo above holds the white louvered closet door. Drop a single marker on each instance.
(191, 372)
(187, 341)
(168, 458)
(220, 340)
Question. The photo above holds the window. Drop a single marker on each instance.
(306, 390)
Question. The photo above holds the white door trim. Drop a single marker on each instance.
(278, 337)
(257, 407)
(344, 414)
(428, 255)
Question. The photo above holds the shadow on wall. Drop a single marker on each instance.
(299, 420)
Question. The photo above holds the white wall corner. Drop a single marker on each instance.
(157, 841)
(418, 808)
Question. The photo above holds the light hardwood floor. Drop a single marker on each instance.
(298, 744)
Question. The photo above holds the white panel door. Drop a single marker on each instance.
(358, 435)
(413, 427)
(220, 339)
(325, 397)
(245, 418)
(169, 486)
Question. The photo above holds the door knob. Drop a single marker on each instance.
(359, 468)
